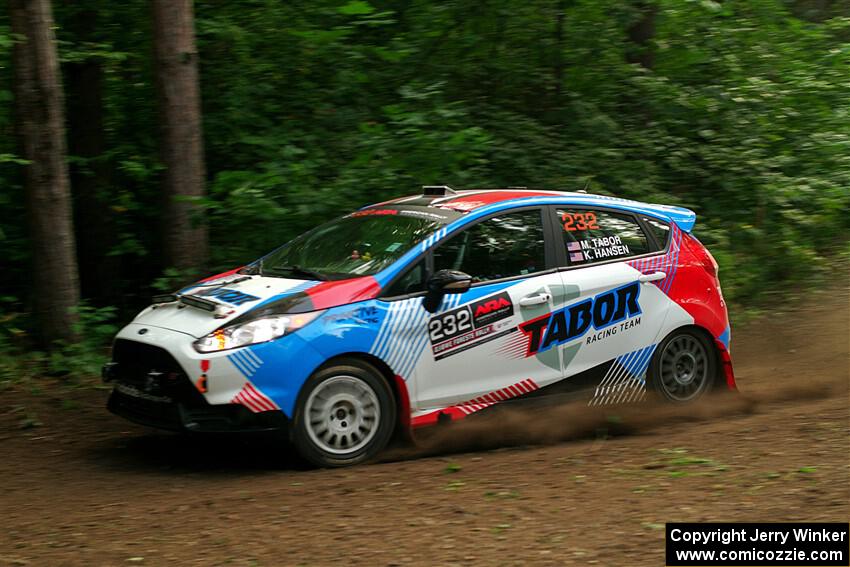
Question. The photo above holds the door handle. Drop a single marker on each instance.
(531, 300)
(646, 278)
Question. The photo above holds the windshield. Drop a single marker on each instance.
(360, 244)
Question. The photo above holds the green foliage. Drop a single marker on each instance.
(172, 279)
(74, 360)
(743, 118)
(94, 328)
(311, 110)
(12, 339)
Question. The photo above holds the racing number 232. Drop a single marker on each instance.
(579, 221)
(449, 325)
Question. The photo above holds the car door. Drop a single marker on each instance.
(476, 353)
(613, 315)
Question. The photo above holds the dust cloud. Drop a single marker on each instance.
(502, 427)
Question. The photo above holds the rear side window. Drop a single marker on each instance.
(593, 236)
(660, 229)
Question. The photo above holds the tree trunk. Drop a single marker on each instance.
(558, 71)
(40, 122)
(641, 34)
(90, 174)
(184, 234)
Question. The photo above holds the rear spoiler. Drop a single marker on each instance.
(685, 219)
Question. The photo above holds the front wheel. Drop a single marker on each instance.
(345, 415)
(683, 367)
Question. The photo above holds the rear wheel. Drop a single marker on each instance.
(683, 367)
(345, 415)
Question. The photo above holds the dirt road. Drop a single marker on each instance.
(85, 488)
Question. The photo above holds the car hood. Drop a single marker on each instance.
(245, 297)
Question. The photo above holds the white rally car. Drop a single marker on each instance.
(428, 309)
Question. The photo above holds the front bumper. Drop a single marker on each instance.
(273, 371)
(177, 416)
(151, 388)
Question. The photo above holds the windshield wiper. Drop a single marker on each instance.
(296, 269)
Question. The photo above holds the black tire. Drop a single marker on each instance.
(683, 367)
(332, 426)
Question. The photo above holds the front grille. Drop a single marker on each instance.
(154, 371)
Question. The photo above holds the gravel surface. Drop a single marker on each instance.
(554, 487)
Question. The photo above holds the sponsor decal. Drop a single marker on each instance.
(362, 316)
(367, 314)
(492, 309)
(462, 206)
(471, 325)
(370, 212)
(579, 221)
(574, 321)
(231, 296)
(450, 324)
(611, 331)
(601, 248)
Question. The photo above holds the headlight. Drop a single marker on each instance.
(253, 332)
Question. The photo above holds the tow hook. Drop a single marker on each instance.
(107, 373)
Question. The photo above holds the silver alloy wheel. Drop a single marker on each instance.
(342, 414)
(684, 368)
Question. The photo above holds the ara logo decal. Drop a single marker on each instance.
(492, 306)
(575, 320)
(491, 309)
(228, 295)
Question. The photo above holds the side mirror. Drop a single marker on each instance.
(443, 282)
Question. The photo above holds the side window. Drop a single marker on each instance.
(660, 229)
(500, 247)
(410, 282)
(593, 236)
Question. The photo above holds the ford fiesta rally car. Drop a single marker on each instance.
(428, 309)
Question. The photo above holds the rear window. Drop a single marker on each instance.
(594, 236)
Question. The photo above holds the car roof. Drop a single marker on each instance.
(492, 200)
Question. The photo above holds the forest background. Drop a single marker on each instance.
(144, 143)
